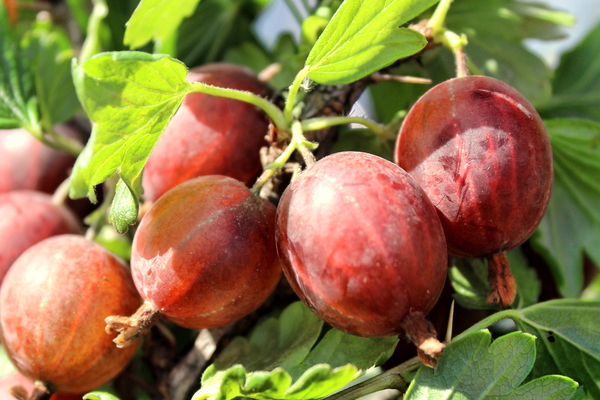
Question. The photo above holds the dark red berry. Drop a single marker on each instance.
(481, 153)
(27, 218)
(361, 244)
(210, 135)
(26, 163)
(204, 255)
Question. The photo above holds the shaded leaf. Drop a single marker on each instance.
(362, 139)
(18, 105)
(576, 82)
(363, 36)
(469, 278)
(49, 54)
(284, 341)
(215, 27)
(472, 368)
(568, 338)
(571, 224)
(495, 30)
(338, 349)
(278, 360)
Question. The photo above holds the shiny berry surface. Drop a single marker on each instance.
(204, 255)
(53, 302)
(210, 135)
(481, 153)
(27, 218)
(361, 243)
(26, 163)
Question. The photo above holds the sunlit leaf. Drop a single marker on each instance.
(156, 20)
(364, 36)
(130, 97)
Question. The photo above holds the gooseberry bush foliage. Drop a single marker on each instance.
(116, 69)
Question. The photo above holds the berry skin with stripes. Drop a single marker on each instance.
(480, 151)
(362, 246)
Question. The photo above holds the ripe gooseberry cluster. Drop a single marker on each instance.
(364, 242)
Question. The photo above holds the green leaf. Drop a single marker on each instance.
(362, 37)
(130, 97)
(124, 208)
(278, 360)
(568, 333)
(362, 139)
(156, 20)
(338, 349)
(215, 27)
(319, 381)
(571, 224)
(469, 278)
(470, 283)
(119, 245)
(6, 366)
(284, 341)
(18, 106)
(495, 30)
(97, 395)
(472, 368)
(569, 340)
(49, 54)
(576, 83)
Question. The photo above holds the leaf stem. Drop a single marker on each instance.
(390, 379)
(313, 124)
(293, 93)
(268, 107)
(298, 142)
(437, 20)
(91, 45)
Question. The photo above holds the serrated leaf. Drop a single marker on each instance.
(124, 208)
(156, 20)
(472, 368)
(569, 340)
(318, 381)
(495, 30)
(215, 27)
(18, 105)
(576, 82)
(291, 367)
(571, 224)
(49, 54)
(568, 333)
(338, 348)
(362, 37)
(283, 341)
(130, 97)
